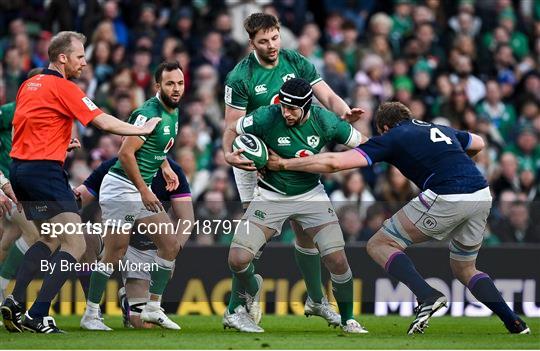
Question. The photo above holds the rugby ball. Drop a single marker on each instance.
(254, 149)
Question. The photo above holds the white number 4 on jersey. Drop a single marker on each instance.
(436, 135)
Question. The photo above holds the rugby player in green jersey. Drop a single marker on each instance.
(293, 128)
(255, 82)
(126, 197)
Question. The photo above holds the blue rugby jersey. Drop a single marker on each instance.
(431, 156)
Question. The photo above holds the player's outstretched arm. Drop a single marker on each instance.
(113, 125)
(476, 145)
(326, 162)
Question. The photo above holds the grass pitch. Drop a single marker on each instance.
(284, 332)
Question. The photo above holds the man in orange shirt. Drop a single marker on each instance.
(47, 104)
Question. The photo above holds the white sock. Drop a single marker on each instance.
(92, 308)
(153, 305)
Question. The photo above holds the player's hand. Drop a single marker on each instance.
(170, 178)
(235, 159)
(353, 114)
(74, 144)
(274, 161)
(151, 202)
(8, 190)
(149, 126)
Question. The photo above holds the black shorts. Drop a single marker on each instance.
(43, 188)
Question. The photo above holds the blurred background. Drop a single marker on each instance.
(474, 65)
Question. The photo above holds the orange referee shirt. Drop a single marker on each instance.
(46, 106)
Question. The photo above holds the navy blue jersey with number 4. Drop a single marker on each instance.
(430, 155)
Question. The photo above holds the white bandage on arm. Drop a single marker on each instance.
(354, 138)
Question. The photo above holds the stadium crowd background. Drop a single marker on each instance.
(474, 65)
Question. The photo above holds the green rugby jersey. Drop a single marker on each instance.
(7, 112)
(249, 85)
(321, 128)
(156, 145)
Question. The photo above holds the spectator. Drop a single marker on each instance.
(518, 227)
(350, 223)
(474, 88)
(502, 115)
(375, 216)
(211, 213)
(112, 13)
(394, 190)
(507, 178)
(14, 74)
(353, 192)
(526, 148)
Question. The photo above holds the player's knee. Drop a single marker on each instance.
(463, 270)
(336, 262)
(171, 251)
(373, 245)
(239, 259)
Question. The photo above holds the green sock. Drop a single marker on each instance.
(98, 283)
(12, 262)
(247, 279)
(309, 262)
(160, 276)
(236, 290)
(342, 285)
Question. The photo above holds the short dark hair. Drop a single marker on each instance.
(61, 43)
(260, 21)
(390, 114)
(166, 66)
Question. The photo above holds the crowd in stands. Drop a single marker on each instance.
(473, 65)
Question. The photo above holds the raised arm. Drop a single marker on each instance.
(334, 103)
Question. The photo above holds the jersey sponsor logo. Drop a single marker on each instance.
(129, 218)
(313, 140)
(89, 103)
(303, 153)
(284, 141)
(288, 76)
(228, 94)
(261, 89)
(140, 120)
(248, 121)
(166, 130)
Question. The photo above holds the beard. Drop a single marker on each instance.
(167, 101)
